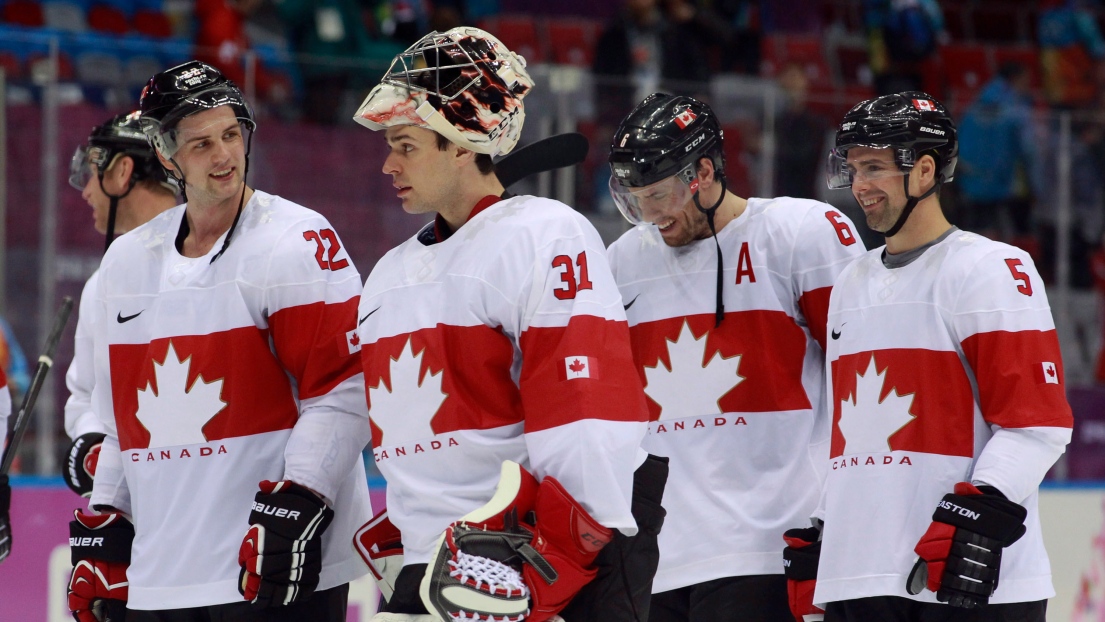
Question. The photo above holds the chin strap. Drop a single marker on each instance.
(113, 208)
(719, 310)
(911, 202)
(241, 202)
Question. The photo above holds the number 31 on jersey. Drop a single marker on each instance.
(572, 282)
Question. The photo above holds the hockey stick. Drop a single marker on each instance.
(544, 155)
(23, 416)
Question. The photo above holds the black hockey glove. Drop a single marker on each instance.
(5, 518)
(800, 560)
(80, 466)
(961, 551)
(281, 555)
(100, 547)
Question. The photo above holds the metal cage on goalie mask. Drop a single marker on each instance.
(122, 134)
(182, 91)
(912, 124)
(663, 136)
(463, 84)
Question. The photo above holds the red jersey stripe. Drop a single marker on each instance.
(255, 402)
(815, 307)
(1006, 365)
(307, 339)
(615, 395)
(772, 349)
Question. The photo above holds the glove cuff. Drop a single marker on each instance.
(105, 537)
(987, 515)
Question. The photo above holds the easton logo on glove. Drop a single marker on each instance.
(522, 556)
(281, 554)
(960, 553)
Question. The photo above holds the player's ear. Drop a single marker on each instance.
(463, 156)
(705, 170)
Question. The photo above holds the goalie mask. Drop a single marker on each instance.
(121, 135)
(463, 84)
(911, 124)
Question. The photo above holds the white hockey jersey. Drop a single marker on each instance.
(505, 341)
(214, 376)
(80, 378)
(735, 408)
(943, 370)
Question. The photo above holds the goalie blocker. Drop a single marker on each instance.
(530, 553)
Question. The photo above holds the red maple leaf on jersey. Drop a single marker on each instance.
(577, 366)
(355, 339)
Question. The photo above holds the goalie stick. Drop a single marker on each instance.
(45, 362)
(544, 155)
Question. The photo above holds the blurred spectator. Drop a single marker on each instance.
(997, 157)
(1097, 267)
(796, 16)
(901, 36)
(332, 46)
(13, 362)
(702, 22)
(221, 41)
(641, 52)
(402, 21)
(1071, 52)
(799, 137)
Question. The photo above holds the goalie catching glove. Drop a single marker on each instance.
(800, 560)
(100, 546)
(80, 465)
(281, 555)
(960, 554)
(522, 556)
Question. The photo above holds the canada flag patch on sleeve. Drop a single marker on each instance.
(1047, 374)
(351, 342)
(574, 367)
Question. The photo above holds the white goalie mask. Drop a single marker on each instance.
(463, 84)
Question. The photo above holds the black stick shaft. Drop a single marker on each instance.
(45, 362)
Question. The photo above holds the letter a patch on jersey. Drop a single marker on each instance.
(1048, 373)
(574, 367)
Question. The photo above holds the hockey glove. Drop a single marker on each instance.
(522, 556)
(961, 551)
(80, 466)
(100, 546)
(800, 559)
(381, 547)
(281, 555)
(5, 518)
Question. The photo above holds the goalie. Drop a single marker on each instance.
(506, 413)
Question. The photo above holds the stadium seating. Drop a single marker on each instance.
(519, 33)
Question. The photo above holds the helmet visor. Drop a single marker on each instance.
(841, 173)
(80, 166)
(647, 204)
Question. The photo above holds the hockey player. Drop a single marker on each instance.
(948, 404)
(731, 356)
(223, 364)
(507, 417)
(119, 176)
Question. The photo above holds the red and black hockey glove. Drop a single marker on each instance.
(522, 556)
(80, 466)
(381, 547)
(5, 518)
(800, 559)
(961, 551)
(281, 555)
(100, 547)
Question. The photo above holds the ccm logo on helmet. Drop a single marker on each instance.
(932, 131)
(694, 143)
(86, 541)
(962, 511)
(275, 511)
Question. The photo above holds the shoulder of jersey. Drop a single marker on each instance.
(274, 215)
(530, 212)
(146, 237)
(787, 212)
(967, 252)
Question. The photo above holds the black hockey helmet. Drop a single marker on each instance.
(663, 136)
(912, 123)
(120, 134)
(184, 90)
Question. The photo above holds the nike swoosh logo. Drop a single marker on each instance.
(361, 321)
(836, 333)
(122, 319)
(631, 302)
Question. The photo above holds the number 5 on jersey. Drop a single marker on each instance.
(568, 276)
(327, 250)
